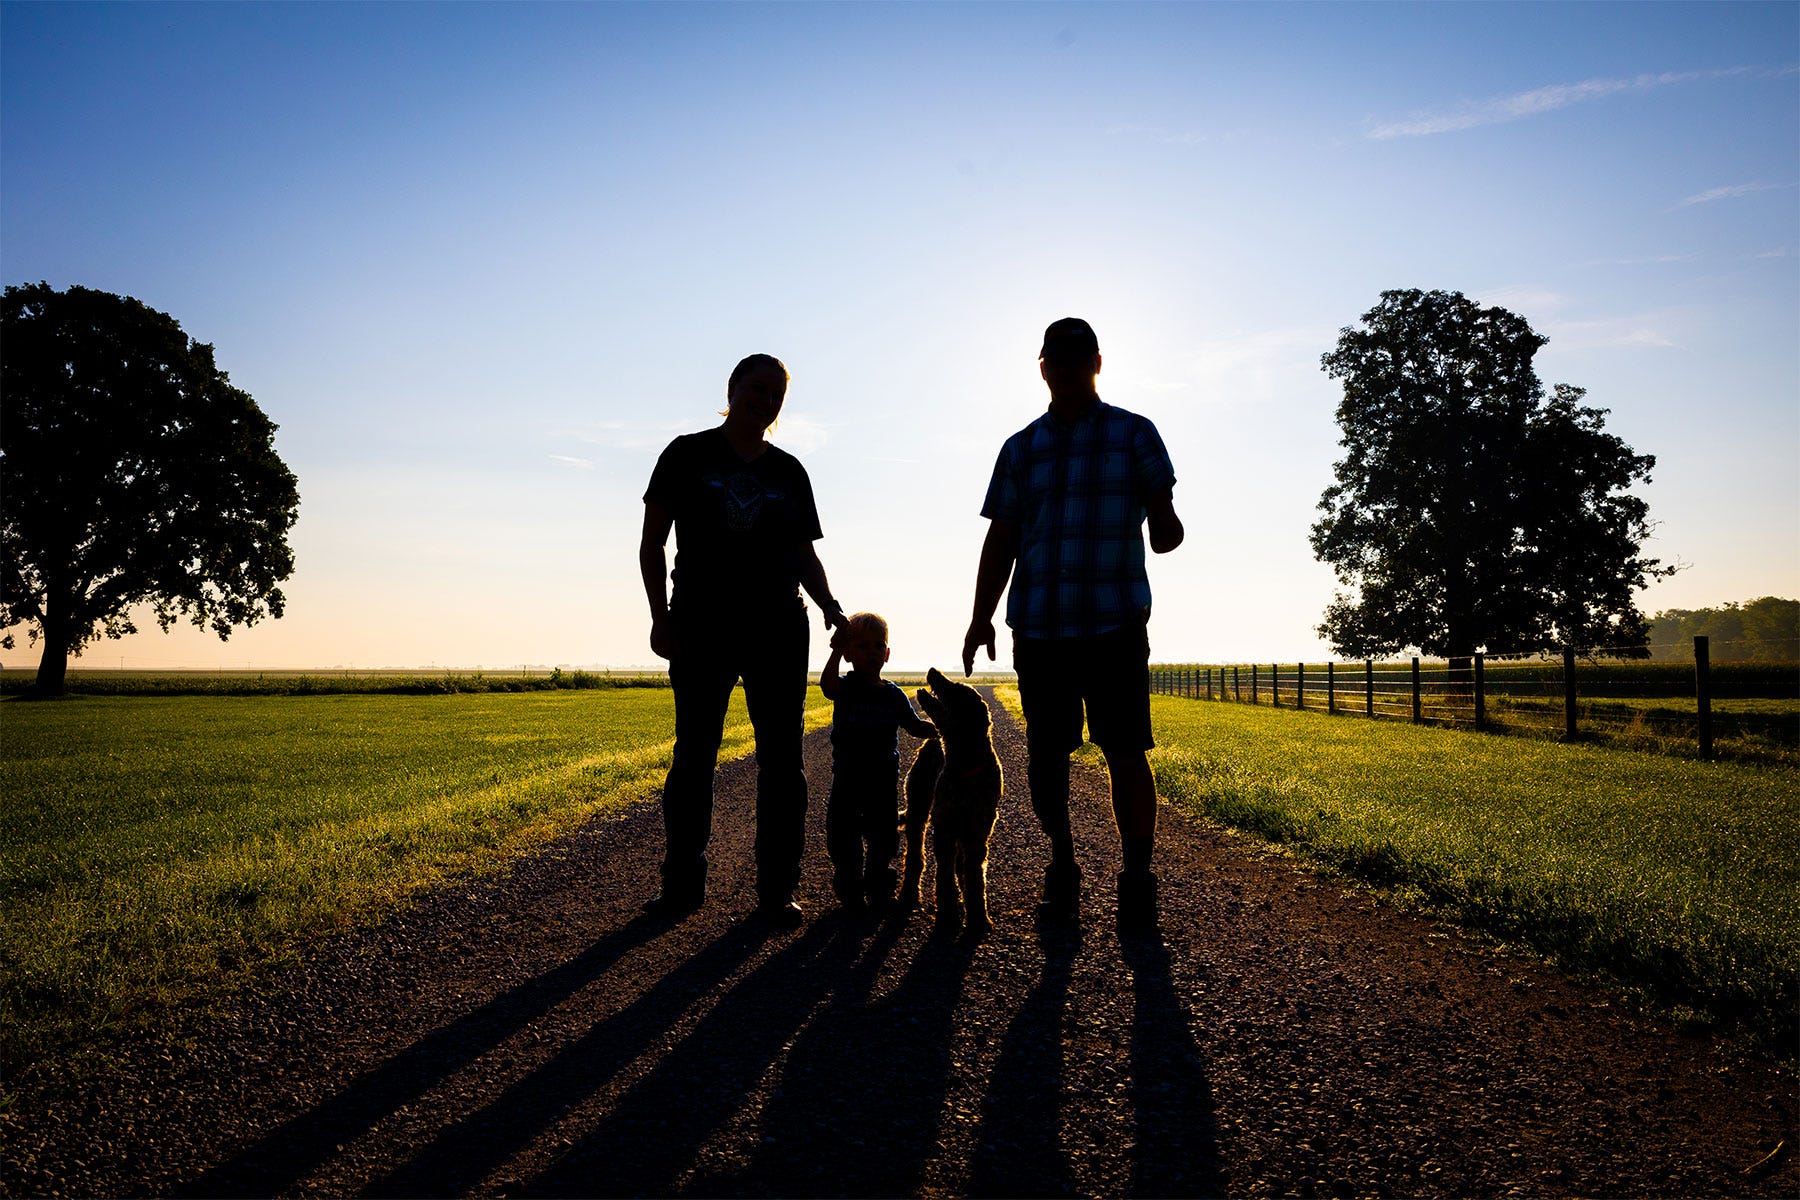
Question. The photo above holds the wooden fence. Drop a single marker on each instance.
(1487, 696)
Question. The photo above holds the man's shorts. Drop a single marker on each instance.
(1109, 674)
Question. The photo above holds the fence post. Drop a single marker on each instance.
(1299, 685)
(1480, 696)
(1703, 692)
(1253, 671)
(1369, 686)
(1417, 714)
(1237, 685)
(1275, 684)
(1331, 687)
(1569, 692)
(1209, 691)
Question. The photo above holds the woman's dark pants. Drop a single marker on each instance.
(712, 654)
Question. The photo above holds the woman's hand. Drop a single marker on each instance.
(662, 637)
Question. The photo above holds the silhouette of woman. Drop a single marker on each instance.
(745, 524)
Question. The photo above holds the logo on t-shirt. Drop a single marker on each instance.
(744, 496)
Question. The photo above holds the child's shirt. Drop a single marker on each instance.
(865, 723)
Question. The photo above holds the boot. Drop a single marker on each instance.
(1137, 901)
(1061, 897)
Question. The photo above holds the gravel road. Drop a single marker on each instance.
(530, 1033)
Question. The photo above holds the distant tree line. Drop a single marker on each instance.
(1765, 630)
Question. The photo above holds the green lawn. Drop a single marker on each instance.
(156, 850)
(1673, 874)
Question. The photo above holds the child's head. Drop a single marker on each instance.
(865, 642)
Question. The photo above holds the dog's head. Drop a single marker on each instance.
(955, 708)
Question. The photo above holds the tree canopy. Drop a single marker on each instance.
(1762, 630)
(131, 472)
(1471, 511)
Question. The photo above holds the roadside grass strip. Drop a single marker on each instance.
(1672, 875)
(157, 851)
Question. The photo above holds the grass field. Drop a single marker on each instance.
(157, 850)
(154, 850)
(1671, 874)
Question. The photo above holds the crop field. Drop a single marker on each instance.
(154, 849)
(1670, 874)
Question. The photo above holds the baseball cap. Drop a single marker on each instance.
(1071, 338)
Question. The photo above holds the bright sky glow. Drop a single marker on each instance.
(481, 262)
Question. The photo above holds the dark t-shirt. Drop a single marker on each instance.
(739, 526)
(865, 722)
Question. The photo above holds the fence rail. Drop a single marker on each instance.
(1756, 707)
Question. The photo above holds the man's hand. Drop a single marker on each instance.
(981, 633)
(832, 613)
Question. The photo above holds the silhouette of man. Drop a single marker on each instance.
(1066, 507)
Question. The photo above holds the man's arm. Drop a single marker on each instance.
(653, 563)
(812, 578)
(998, 554)
(1165, 527)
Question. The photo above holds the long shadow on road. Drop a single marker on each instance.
(1177, 1144)
(653, 1135)
(293, 1150)
(862, 1099)
(1019, 1150)
(463, 1153)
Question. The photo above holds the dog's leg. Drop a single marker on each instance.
(974, 863)
(921, 784)
(943, 850)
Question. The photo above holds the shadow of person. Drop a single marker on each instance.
(862, 1098)
(461, 1154)
(1176, 1150)
(291, 1151)
(653, 1135)
(1018, 1149)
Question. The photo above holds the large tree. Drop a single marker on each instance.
(131, 473)
(1470, 510)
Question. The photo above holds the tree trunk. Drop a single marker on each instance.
(53, 668)
(1462, 677)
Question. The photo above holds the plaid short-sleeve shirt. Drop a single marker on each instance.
(1077, 493)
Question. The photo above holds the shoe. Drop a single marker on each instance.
(784, 913)
(672, 906)
(1137, 901)
(878, 889)
(849, 892)
(1060, 900)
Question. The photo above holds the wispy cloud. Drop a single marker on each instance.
(630, 435)
(1529, 302)
(1644, 331)
(1733, 191)
(1650, 260)
(1533, 103)
(799, 434)
(568, 460)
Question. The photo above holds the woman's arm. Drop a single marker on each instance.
(653, 563)
(812, 578)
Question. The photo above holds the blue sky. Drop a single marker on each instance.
(481, 262)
